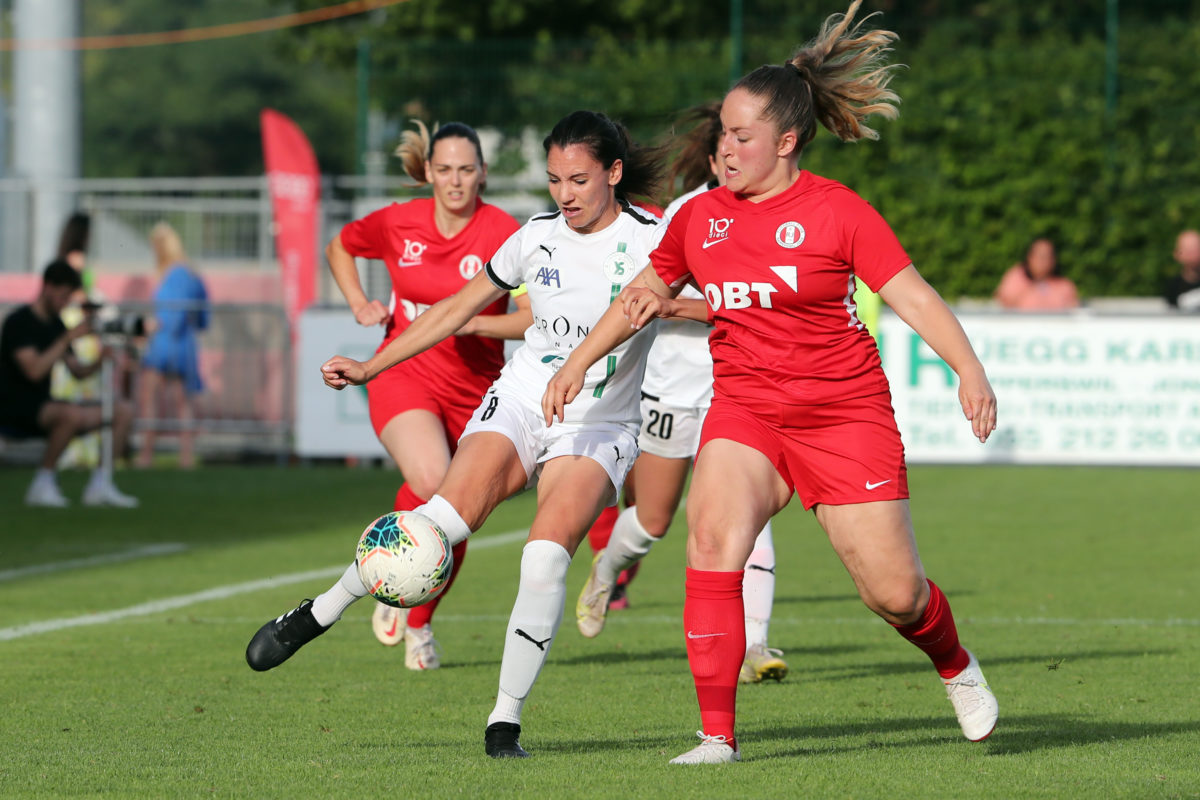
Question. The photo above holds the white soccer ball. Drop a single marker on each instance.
(404, 559)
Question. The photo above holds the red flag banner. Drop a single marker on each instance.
(295, 186)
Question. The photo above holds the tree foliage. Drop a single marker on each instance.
(1005, 130)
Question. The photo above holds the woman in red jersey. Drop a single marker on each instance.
(432, 247)
(801, 404)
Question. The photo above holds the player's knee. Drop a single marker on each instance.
(543, 565)
(425, 482)
(654, 522)
(899, 603)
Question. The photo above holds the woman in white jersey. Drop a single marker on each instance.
(676, 393)
(574, 262)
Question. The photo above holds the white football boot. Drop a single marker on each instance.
(101, 491)
(763, 662)
(388, 623)
(711, 750)
(973, 701)
(591, 610)
(45, 494)
(420, 648)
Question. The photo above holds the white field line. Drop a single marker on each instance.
(216, 593)
(145, 551)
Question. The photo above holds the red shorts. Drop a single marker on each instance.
(405, 387)
(841, 453)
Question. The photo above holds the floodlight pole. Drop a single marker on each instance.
(1111, 85)
(735, 41)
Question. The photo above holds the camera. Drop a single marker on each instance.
(125, 323)
(111, 321)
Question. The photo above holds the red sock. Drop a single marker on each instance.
(936, 635)
(423, 615)
(407, 499)
(602, 528)
(714, 622)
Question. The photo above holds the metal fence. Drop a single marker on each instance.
(227, 230)
(225, 223)
(246, 363)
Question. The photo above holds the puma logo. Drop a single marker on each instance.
(618, 452)
(764, 569)
(540, 645)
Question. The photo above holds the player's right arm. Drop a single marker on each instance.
(345, 275)
(439, 322)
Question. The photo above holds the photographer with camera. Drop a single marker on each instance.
(32, 340)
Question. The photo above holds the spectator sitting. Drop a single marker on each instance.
(32, 340)
(1183, 290)
(1035, 285)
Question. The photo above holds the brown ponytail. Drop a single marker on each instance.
(695, 148)
(839, 79)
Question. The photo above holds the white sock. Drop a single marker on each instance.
(440, 511)
(629, 544)
(536, 615)
(45, 476)
(758, 588)
(328, 607)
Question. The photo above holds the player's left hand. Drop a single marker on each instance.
(560, 390)
(642, 305)
(978, 403)
(340, 372)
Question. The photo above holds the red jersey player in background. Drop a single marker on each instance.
(432, 247)
(801, 403)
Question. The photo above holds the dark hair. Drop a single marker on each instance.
(608, 141)
(697, 146)
(60, 273)
(1025, 260)
(838, 78)
(416, 147)
(75, 234)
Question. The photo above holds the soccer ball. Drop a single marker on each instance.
(404, 559)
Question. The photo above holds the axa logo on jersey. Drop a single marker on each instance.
(718, 231)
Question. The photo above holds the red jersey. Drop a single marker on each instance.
(779, 280)
(426, 267)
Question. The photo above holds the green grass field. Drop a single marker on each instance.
(1077, 588)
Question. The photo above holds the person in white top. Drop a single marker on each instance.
(574, 263)
(676, 393)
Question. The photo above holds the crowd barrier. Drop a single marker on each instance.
(245, 357)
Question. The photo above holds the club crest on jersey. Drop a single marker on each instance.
(618, 267)
(469, 266)
(411, 257)
(790, 235)
(718, 231)
(547, 274)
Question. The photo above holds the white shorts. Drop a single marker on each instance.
(670, 431)
(612, 445)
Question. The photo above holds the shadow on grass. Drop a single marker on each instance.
(1014, 735)
(920, 665)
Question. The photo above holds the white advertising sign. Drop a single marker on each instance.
(1070, 389)
(330, 423)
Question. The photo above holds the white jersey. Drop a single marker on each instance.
(572, 279)
(679, 369)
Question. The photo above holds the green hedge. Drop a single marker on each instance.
(1001, 143)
